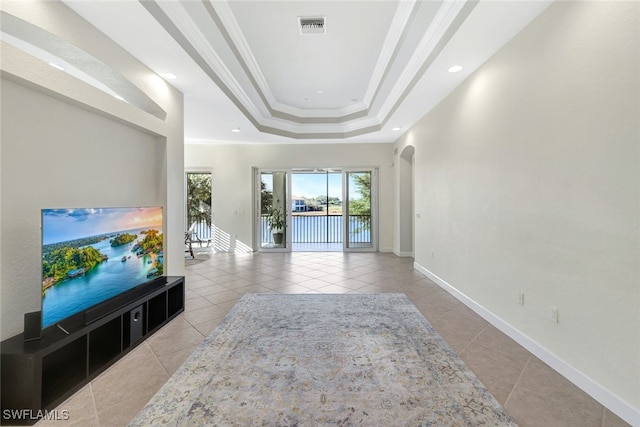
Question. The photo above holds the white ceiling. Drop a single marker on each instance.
(244, 64)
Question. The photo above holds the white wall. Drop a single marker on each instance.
(528, 180)
(403, 243)
(232, 177)
(67, 144)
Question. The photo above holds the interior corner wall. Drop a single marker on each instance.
(65, 143)
(56, 155)
(527, 181)
(232, 177)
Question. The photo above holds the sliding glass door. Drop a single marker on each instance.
(360, 225)
(319, 209)
(316, 217)
(273, 208)
(199, 221)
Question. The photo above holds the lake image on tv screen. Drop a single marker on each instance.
(91, 255)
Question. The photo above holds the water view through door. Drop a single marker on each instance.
(315, 210)
(316, 217)
(359, 225)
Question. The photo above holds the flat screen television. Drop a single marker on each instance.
(92, 255)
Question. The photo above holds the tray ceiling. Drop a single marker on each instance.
(374, 66)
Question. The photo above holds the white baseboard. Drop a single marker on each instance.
(608, 399)
(400, 254)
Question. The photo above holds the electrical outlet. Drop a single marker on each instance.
(555, 315)
(520, 298)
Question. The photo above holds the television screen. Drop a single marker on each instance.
(92, 255)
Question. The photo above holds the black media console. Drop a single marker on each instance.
(39, 375)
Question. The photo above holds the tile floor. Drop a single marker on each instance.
(533, 393)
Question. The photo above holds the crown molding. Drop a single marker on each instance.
(390, 48)
(444, 20)
(249, 89)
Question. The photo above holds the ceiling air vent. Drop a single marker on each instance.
(315, 25)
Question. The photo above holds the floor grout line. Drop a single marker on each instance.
(93, 401)
(157, 359)
(473, 339)
(518, 380)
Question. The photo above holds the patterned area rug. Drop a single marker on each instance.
(321, 360)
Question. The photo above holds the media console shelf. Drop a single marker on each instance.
(39, 375)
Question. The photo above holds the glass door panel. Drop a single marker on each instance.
(334, 208)
(273, 210)
(358, 213)
(316, 212)
(199, 213)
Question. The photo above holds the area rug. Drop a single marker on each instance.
(324, 360)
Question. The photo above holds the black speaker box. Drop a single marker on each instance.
(135, 324)
(32, 325)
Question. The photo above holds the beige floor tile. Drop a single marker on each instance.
(205, 328)
(252, 289)
(77, 411)
(289, 277)
(333, 289)
(211, 289)
(197, 282)
(172, 361)
(254, 278)
(221, 297)
(274, 283)
(125, 388)
(612, 420)
(238, 283)
(459, 326)
(313, 283)
(316, 274)
(171, 339)
(290, 289)
(190, 295)
(202, 315)
(371, 288)
(416, 292)
(435, 304)
(226, 307)
(196, 303)
(497, 371)
(544, 398)
(354, 283)
(221, 279)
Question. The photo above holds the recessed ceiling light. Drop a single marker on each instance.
(236, 130)
(56, 66)
(455, 69)
(396, 128)
(169, 76)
